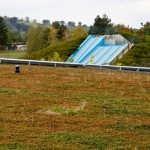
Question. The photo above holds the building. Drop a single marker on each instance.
(21, 47)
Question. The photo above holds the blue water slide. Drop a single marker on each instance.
(86, 50)
(95, 46)
(115, 53)
(96, 54)
(100, 53)
(84, 45)
(100, 57)
(93, 53)
(109, 53)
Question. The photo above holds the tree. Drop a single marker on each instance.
(100, 25)
(46, 22)
(147, 28)
(62, 22)
(61, 32)
(56, 24)
(13, 20)
(36, 39)
(35, 20)
(80, 24)
(123, 28)
(78, 32)
(51, 35)
(84, 25)
(3, 33)
(27, 19)
(60, 29)
(72, 24)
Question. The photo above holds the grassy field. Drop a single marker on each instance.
(11, 54)
(45, 108)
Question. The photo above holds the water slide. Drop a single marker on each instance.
(97, 50)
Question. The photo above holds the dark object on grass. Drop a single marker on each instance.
(17, 69)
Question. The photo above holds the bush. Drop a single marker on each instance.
(139, 55)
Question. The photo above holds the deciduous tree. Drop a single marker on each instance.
(72, 24)
(46, 22)
(78, 32)
(35, 39)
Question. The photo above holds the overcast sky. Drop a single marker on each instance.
(127, 12)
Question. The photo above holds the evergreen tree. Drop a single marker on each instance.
(100, 25)
(3, 33)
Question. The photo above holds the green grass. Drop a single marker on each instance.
(82, 141)
(12, 54)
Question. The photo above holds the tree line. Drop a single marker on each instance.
(13, 30)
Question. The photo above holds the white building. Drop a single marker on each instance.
(21, 47)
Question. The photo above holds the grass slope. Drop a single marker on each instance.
(71, 108)
(139, 55)
(64, 49)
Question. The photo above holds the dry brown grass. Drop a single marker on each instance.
(70, 108)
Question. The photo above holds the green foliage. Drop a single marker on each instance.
(60, 29)
(128, 36)
(46, 22)
(72, 60)
(139, 55)
(100, 25)
(15, 38)
(56, 57)
(78, 32)
(3, 33)
(64, 49)
(91, 59)
(35, 39)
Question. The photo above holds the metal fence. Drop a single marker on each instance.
(77, 65)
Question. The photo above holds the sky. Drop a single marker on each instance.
(127, 12)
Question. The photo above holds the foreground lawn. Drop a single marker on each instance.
(12, 54)
(46, 108)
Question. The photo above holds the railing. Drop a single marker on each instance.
(78, 65)
(125, 50)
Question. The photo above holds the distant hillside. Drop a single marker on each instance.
(18, 26)
(139, 55)
(15, 24)
(33, 24)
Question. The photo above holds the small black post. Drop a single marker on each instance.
(17, 69)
